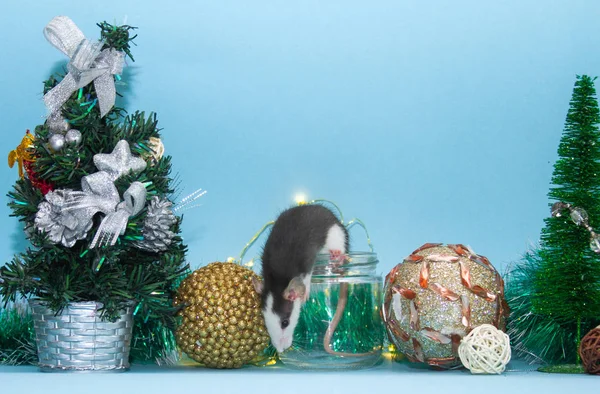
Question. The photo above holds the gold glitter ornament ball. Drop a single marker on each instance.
(222, 323)
(435, 297)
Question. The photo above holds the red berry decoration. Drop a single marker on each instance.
(44, 186)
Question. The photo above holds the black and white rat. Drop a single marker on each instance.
(298, 235)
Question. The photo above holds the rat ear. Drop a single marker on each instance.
(258, 284)
(295, 289)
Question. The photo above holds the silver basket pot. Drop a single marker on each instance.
(78, 340)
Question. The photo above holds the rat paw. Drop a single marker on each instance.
(336, 256)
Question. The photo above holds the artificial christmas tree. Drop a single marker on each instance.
(555, 293)
(95, 198)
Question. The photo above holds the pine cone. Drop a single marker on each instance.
(157, 226)
(61, 225)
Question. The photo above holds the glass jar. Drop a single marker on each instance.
(340, 325)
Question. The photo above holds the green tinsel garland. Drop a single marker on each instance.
(360, 329)
(535, 338)
(152, 341)
(17, 338)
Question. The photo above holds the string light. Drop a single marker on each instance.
(300, 199)
(253, 240)
(355, 221)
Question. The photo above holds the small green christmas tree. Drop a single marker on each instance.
(96, 197)
(555, 296)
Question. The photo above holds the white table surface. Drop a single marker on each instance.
(386, 378)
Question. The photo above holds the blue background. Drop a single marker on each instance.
(431, 121)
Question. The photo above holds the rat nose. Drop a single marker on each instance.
(284, 343)
(281, 345)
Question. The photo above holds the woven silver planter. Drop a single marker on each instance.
(78, 340)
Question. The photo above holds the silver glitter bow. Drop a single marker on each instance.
(87, 63)
(68, 218)
(108, 201)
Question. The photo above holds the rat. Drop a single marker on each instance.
(298, 235)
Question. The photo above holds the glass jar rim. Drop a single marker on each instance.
(353, 258)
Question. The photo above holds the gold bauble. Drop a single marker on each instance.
(435, 297)
(222, 323)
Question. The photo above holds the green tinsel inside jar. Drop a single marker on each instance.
(340, 325)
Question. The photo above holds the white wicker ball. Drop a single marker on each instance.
(485, 350)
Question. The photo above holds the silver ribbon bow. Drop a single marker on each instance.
(87, 63)
(100, 194)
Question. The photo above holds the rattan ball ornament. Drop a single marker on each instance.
(156, 150)
(485, 350)
(435, 297)
(589, 350)
(222, 324)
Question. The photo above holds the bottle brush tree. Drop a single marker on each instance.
(555, 294)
